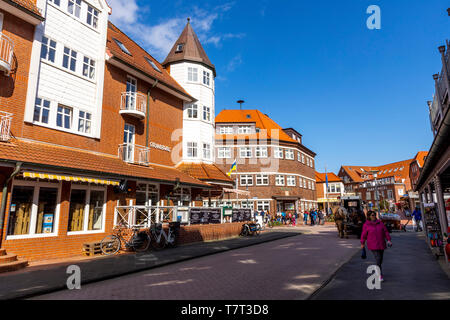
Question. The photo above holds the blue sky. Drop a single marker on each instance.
(358, 96)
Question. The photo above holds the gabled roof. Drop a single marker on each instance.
(191, 50)
(204, 172)
(321, 177)
(261, 121)
(138, 57)
(55, 157)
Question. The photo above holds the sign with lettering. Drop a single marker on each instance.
(240, 215)
(160, 146)
(205, 215)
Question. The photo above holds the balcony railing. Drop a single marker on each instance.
(133, 153)
(5, 126)
(134, 104)
(6, 53)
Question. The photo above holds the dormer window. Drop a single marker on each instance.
(179, 47)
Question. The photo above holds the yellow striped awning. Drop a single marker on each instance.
(323, 200)
(50, 176)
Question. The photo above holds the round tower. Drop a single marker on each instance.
(189, 65)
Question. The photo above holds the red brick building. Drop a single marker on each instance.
(62, 184)
(390, 182)
(328, 198)
(273, 165)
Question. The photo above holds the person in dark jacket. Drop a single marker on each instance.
(417, 215)
(375, 234)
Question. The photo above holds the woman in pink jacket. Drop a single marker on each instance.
(375, 233)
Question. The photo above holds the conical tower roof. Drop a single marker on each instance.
(188, 48)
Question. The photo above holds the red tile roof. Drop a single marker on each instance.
(399, 169)
(204, 172)
(321, 177)
(59, 157)
(262, 121)
(30, 5)
(420, 157)
(137, 58)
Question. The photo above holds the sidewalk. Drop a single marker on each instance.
(48, 278)
(411, 272)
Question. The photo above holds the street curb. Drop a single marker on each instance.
(208, 252)
(333, 275)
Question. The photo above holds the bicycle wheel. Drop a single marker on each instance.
(172, 242)
(258, 229)
(154, 242)
(142, 243)
(110, 245)
(270, 224)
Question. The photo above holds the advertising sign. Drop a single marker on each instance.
(205, 215)
(240, 215)
(47, 226)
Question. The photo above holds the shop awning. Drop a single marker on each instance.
(237, 191)
(50, 176)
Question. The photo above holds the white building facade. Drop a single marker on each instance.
(65, 88)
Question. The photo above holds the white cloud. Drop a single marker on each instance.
(159, 38)
(124, 11)
(234, 63)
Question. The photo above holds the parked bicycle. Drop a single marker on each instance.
(139, 241)
(250, 229)
(161, 239)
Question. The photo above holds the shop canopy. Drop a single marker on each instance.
(237, 191)
(58, 177)
(322, 200)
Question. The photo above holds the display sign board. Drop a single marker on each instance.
(205, 215)
(240, 215)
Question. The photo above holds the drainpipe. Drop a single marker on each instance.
(147, 117)
(4, 197)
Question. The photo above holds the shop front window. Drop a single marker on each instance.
(46, 210)
(76, 211)
(96, 203)
(20, 210)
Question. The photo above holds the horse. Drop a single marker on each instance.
(340, 217)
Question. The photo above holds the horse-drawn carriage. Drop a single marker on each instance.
(349, 217)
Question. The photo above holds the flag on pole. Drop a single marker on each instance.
(326, 179)
(233, 168)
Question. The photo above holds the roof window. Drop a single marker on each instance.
(122, 46)
(154, 66)
(179, 47)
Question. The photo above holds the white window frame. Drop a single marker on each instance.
(191, 110)
(94, 16)
(206, 113)
(192, 146)
(48, 47)
(299, 156)
(280, 180)
(88, 66)
(261, 152)
(85, 122)
(34, 209)
(289, 154)
(88, 189)
(262, 179)
(63, 116)
(206, 151)
(278, 153)
(42, 107)
(246, 180)
(291, 181)
(368, 195)
(224, 152)
(206, 78)
(70, 59)
(263, 205)
(244, 129)
(226, 130)
(245, 152)
(192, 74)
(76, 7)
(303, 158)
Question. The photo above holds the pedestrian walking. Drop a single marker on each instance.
(321, 219)
(305, 218)
(283, 217)
(312, 216)
(417, 215)
(375, 234)
(294, 217)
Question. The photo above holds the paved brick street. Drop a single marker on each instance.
(290, 268)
